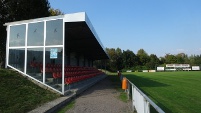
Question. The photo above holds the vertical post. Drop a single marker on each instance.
(25, 57)
(128, 90)
(63, 59)
(147, 106)
(7, 45)
(133, 97)
(44, 52)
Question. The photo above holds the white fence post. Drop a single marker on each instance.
(140, 102)
(128, 90)
(146, 106)
(133, 97)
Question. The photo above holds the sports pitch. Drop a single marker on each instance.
(174, 92)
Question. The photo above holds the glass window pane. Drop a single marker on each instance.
(35, 63)
(54, 32)
(53, 67)
(17, 35)
(35, 34)
(16, 58)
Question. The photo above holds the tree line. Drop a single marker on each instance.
(16, 10)
(128, 60)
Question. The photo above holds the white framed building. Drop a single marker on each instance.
(57, 41)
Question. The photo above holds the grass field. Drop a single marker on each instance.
(19, 95)
(174, 92)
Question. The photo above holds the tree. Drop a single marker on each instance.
(112, 62)
(143, 57)
(180, 58)
(115, 62)
(195, 60)
(119, 60)
(129, 59)
(154, 61)
(15, 10)
(162, 60)
(170, 59)
(55, 12)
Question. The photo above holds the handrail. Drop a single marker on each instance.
(157, 108)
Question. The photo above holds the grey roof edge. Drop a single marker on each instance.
(75, 17)
(71, 17)
(34, 20)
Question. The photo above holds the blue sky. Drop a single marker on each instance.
(157, 26)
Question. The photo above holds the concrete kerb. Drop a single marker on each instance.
(56, 104)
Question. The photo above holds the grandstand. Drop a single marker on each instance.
(56, 51)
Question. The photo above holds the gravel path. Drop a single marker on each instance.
(100, 98)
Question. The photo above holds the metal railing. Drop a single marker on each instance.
(140, 102)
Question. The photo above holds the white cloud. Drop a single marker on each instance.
(180, 50)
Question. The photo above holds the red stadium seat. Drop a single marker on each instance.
(54, 75)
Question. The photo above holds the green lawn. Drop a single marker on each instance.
(174, 92)
(19, 95)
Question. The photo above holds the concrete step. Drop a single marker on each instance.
(50, 83)
(49, 79)
(60, 85)
(38, 77)
(39, 74)
(55, 86)
(68, 92)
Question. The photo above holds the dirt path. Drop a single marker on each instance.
(100, 98)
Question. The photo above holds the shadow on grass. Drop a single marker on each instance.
(146, 82)
(142, 82)
(136, 80)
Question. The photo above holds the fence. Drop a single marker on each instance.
(140, 102)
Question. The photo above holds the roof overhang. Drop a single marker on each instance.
(80, 36)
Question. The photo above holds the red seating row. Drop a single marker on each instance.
(50, 70)
(80, 73)
(73, 79)
(56, 75)
(36, 64)
(59, 74)
(40, 64)
(54, 69)
(53, 65)
(70, 80)
(72, 73)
